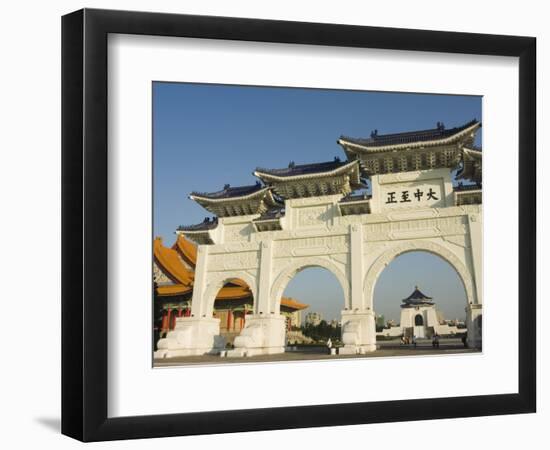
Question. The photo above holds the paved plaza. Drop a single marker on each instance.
(385, 349)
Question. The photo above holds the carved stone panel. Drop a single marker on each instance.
(233, 261)
(313, 216)
(416, 229)
(317, 245)
(238, 232)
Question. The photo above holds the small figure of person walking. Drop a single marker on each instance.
(414, 340)
(435, 340)
(329, 345)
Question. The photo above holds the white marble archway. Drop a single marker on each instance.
(354, 246)
(283, 278)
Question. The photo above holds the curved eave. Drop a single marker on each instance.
(186, 249)
(183, 231)
(358, 148)
(173, 290)
(267, 177)
(255, 203)
(421, 303)
(207, 200)
(293, 304)
(169, 263)
(230, 293)
(471, 165)
(472, 154)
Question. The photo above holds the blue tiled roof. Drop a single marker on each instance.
(205, 225)
(380, 140)
(230, 192)
(304, 169)
(467, 187)
(417, 298)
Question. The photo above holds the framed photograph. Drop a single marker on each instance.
(273, 224)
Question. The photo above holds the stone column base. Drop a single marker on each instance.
(474, 315)
(356, 349)
(191, 336)
(358, 332)
(262, 335)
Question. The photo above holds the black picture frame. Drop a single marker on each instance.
(84, 224)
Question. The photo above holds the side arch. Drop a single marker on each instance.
(283, 278)
(446, 254)
(217, 280)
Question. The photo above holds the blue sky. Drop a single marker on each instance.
(205, 136)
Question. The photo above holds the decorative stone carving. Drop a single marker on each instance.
(232, 261)
(237, 232)
(309, 201)
(416, 229)
(399, 177)
(316, 245)
(262, 335)
(191, 336)
(314, 216)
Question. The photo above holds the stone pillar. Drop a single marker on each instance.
(357, 267)
(198, 306)
(264, 331)
(358, 323)
(474, 323)
(263, 302)
(474, 311)
(475, 224)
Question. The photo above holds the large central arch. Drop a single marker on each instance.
(283, 278)
(418, 245)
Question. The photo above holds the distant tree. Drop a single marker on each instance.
(322, 332)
